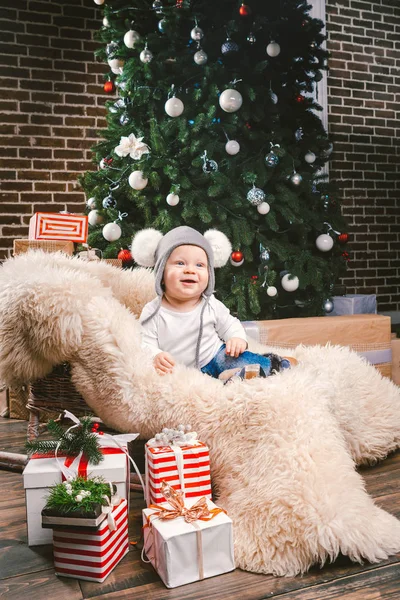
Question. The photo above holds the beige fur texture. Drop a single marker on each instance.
(283, 449)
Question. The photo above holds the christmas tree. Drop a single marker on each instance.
(215, 126)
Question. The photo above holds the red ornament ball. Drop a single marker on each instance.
(109, 87)
(237, 256)
(125, 256)
(343, 238)
(244, 10)
(254, 276)
(300, 99)
(179, 3)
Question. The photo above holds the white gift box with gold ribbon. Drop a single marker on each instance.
(182, 552)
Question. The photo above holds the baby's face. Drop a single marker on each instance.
(186, 273)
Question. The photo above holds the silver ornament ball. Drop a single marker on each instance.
(256, 196)
(200, 57)
(109, 202)
(264, 255)
(146, 56)
(210, 166)
(328, 306)
(296, 179)
(310, 158)
(197, 34)
(157, 6)
(272, 159)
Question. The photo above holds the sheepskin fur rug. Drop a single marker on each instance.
(283, 449)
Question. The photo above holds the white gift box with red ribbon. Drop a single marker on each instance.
(185, 468)
(58, 226)
(92, 555)
(43, 471)
(184, 552)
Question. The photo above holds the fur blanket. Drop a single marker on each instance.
(283, 449)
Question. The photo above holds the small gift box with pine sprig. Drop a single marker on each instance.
(90, 527)
(79, 502)
(82, 450)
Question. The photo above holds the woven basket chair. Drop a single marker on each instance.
(50, 396)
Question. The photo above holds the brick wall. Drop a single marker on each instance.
(51, 103)
(364, 111)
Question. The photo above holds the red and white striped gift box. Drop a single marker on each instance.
(92, 555)
(58, 226)
(164, 463)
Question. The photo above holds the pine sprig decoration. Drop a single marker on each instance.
(67, 497)
(73, 442)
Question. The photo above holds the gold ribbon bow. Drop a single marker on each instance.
(198, 512)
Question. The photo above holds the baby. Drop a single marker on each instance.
(185, 323)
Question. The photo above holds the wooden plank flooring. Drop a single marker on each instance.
(29, 572)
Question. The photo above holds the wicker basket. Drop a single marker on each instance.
(50, 396)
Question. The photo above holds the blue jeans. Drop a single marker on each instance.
(221, 362)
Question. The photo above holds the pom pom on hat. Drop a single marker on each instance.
(220, 245)
(144, 245)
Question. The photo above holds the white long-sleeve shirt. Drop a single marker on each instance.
(177, 332)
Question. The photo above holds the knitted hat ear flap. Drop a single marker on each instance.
(144, 246)
(220, 245)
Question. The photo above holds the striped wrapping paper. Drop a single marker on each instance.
(58, 226)
(189, 465)
(91, 555)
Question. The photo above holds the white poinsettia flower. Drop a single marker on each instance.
(133, 146)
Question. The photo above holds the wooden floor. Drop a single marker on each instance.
(28, 572)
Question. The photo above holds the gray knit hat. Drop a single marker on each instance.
(182, 236)
(151, 249)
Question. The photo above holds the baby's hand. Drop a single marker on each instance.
(164, 363)
(235, 346)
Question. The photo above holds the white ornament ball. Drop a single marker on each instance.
(137, 181)
(116, 64)
(174, 107)
(310, 158)
(106, 22)
(200, 57)
(78, 498)
(273, 49)
(146, 56)
(94, 218)
(91, 203)
(99, 2)
(263, 208)
(290, 284)
(232, 147)
(324, 242)
(230, 100)
(131, 38)
(236, 264)
(272, 291)
(172, 199)
(112, 232)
